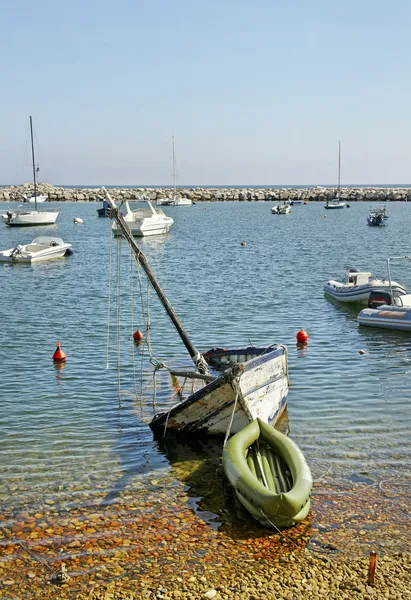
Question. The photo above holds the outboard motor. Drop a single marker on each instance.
(377, 299)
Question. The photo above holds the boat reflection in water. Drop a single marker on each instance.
(196, 461)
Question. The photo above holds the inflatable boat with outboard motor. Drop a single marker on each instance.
(386, 310)
(359, 286)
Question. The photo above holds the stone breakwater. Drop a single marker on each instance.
(197, 194)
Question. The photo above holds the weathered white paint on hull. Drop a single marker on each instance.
(263, 389)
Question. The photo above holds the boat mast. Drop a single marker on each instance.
(196, 356)
(339, 169)
(174, 172)
(34, 164)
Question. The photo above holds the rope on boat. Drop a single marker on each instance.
(109, 294)
(236, 387)
(118, 321)
(131, 323)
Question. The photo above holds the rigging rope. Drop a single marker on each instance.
(118, 320)
(110, 246)
(236, 387)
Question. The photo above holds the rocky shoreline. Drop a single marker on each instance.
(309, 194)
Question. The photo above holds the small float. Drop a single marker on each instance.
(269, 474)
(359, 285)
(40, 249)
(387, 311)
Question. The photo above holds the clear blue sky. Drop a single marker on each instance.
(254, 92)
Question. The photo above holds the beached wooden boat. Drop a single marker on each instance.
(254, 385)
(257, 387)
(269, 474)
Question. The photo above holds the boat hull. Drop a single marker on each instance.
(257, 388)
(271, 478)
(30, 218)
(386, 317)
(332, 205)
(360, 293)
(38, 251)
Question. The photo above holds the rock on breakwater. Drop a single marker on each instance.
(197, 194)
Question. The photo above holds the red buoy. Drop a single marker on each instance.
(137, 336)
(302, 336)
(59, 354)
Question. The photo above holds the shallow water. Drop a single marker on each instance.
(76, 436)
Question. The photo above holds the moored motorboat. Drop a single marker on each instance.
(358, 287)
(269, 474)
(376, 218)
(145, 221)
(40, 249)
(281, 209)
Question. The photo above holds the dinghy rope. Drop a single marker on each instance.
(236, 387)
(279, 531)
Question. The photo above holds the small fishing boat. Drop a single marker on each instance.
(40, 249)
(376, 218)
(281, 209)
(145, 221)
(269, 474)
(359, 285)
(296, 202)
(255, 384)
(387, 311)
(103, 209)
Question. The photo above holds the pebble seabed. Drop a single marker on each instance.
(156, 541)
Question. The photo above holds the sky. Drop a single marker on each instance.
(254, 93)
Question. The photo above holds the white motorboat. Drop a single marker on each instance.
(145, 221)
(387, 311)
(358, 287)
(31, 217)
(336, 202)
(40, 249)
(35, 199)
(174, 199)
(281, 209)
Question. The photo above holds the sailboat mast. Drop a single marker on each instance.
(174, 172)
(339, 168)
(34, 164)
(197, 358)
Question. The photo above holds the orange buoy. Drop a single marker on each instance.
(59, 354)
(137, 336)
(302, 336)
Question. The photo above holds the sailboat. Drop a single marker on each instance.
(31, 217)
(336, 202)
(175, 200)
(253, 382)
